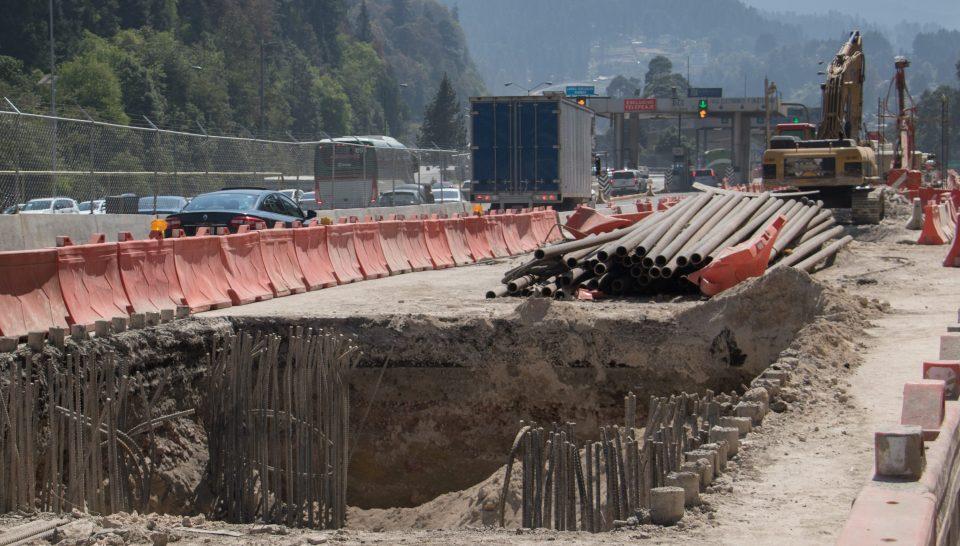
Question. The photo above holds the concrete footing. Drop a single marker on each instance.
(8, 344)
(57, 337)
(167, 315)
(743, 424)
(690, 483)
(137, 321)
(78, 333)
(752, 410)
(183, 311)
(102, 328)
(36, 340)
(710, 456)
(153, 318)
(730, 434)
(118, 324)
(666, 505)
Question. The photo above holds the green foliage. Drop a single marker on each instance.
(929, 109)
(90, 81)
(661, 82)
(443, 123)
(184, 63)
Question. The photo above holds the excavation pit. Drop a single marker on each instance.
(438, 397)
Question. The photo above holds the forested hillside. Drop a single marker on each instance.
(727, 44)
(329, 66)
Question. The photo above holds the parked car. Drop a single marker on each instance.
(238, 207)
(706, 176)
(400, 197)
(51, 205)
(14, 209)
(99, 206)
(295, 195)
(309, 201)
(447, 195)
(166, 204)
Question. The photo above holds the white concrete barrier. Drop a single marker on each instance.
(31, 231)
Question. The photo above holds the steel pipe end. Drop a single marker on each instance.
(647, 262)
(682, 261)
(654, 272)
(622, 251)
(600, 268)
(602, 255)
(696, 258)
(660, 260)
(571, 262)
(546, 291)
(539, 253)
(666, 272)
(491, 295)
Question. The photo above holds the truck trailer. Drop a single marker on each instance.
(531, 151)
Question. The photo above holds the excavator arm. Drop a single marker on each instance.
(843, 92)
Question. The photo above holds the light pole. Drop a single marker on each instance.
(531, 90)
(263, 45)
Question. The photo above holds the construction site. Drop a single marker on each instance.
(774, 361)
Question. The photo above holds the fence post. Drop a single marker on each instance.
(206, 155)
(156, 161)
(19, 179)
(93, 126)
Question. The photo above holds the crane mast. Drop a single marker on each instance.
(904, 153)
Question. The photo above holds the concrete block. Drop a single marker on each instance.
(167, 315)
(57, 337)
(137, 321)
(772, 386)
(701, 468)
(153, 318)
(950, 347)
(689, 482)
(780, 375)
(79, 333)
(730, 434)
(36, 340)
(752, 410)
(898, 452)
(102, 328)
(8, 344)
(924, 405)
(947, 371)
(743, 424)
(666, 505)
(119, 324)
(183, 311)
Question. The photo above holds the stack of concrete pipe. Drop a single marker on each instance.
(657, 253)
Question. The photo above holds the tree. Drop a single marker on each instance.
(660, 80)
(623, 87)
(658, 67)
(91, 83)
(443, 123)
(364, 31)
(399, 12)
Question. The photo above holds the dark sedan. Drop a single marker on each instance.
(235, 208)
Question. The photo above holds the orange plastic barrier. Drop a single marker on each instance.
(391, 242)
(149, 274)
(495, 238)
(373, 264)
(343, 253)
(510, 235)
(245, 271)
(414, 244)
(280, 259)
(437, 245)
(932, 233)
(525, 234)
(953, 255)
(30, 296)
(456, 232)
(738, 263)
(476, 231)
(90, 282)
(201, 272)
(587, 221)
(314, 258)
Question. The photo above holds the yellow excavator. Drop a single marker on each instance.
(836, 163)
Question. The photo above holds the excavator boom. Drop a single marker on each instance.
(843, 92)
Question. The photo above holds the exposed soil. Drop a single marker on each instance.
(458, 375)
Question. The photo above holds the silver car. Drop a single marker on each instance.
(51, 205)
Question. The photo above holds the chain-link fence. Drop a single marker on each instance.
(43, 156)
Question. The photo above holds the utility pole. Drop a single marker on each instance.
(944, 137)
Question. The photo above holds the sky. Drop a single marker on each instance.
(945, 13)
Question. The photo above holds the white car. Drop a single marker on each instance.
(51, 205)
(99, 207)
(447, 195)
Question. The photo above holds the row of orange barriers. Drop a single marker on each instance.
(81, 284)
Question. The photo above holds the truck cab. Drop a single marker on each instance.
(801, 131)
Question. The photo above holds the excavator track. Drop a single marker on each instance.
(868, 206)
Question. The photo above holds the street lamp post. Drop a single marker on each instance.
(531, 90)
(53, 103)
